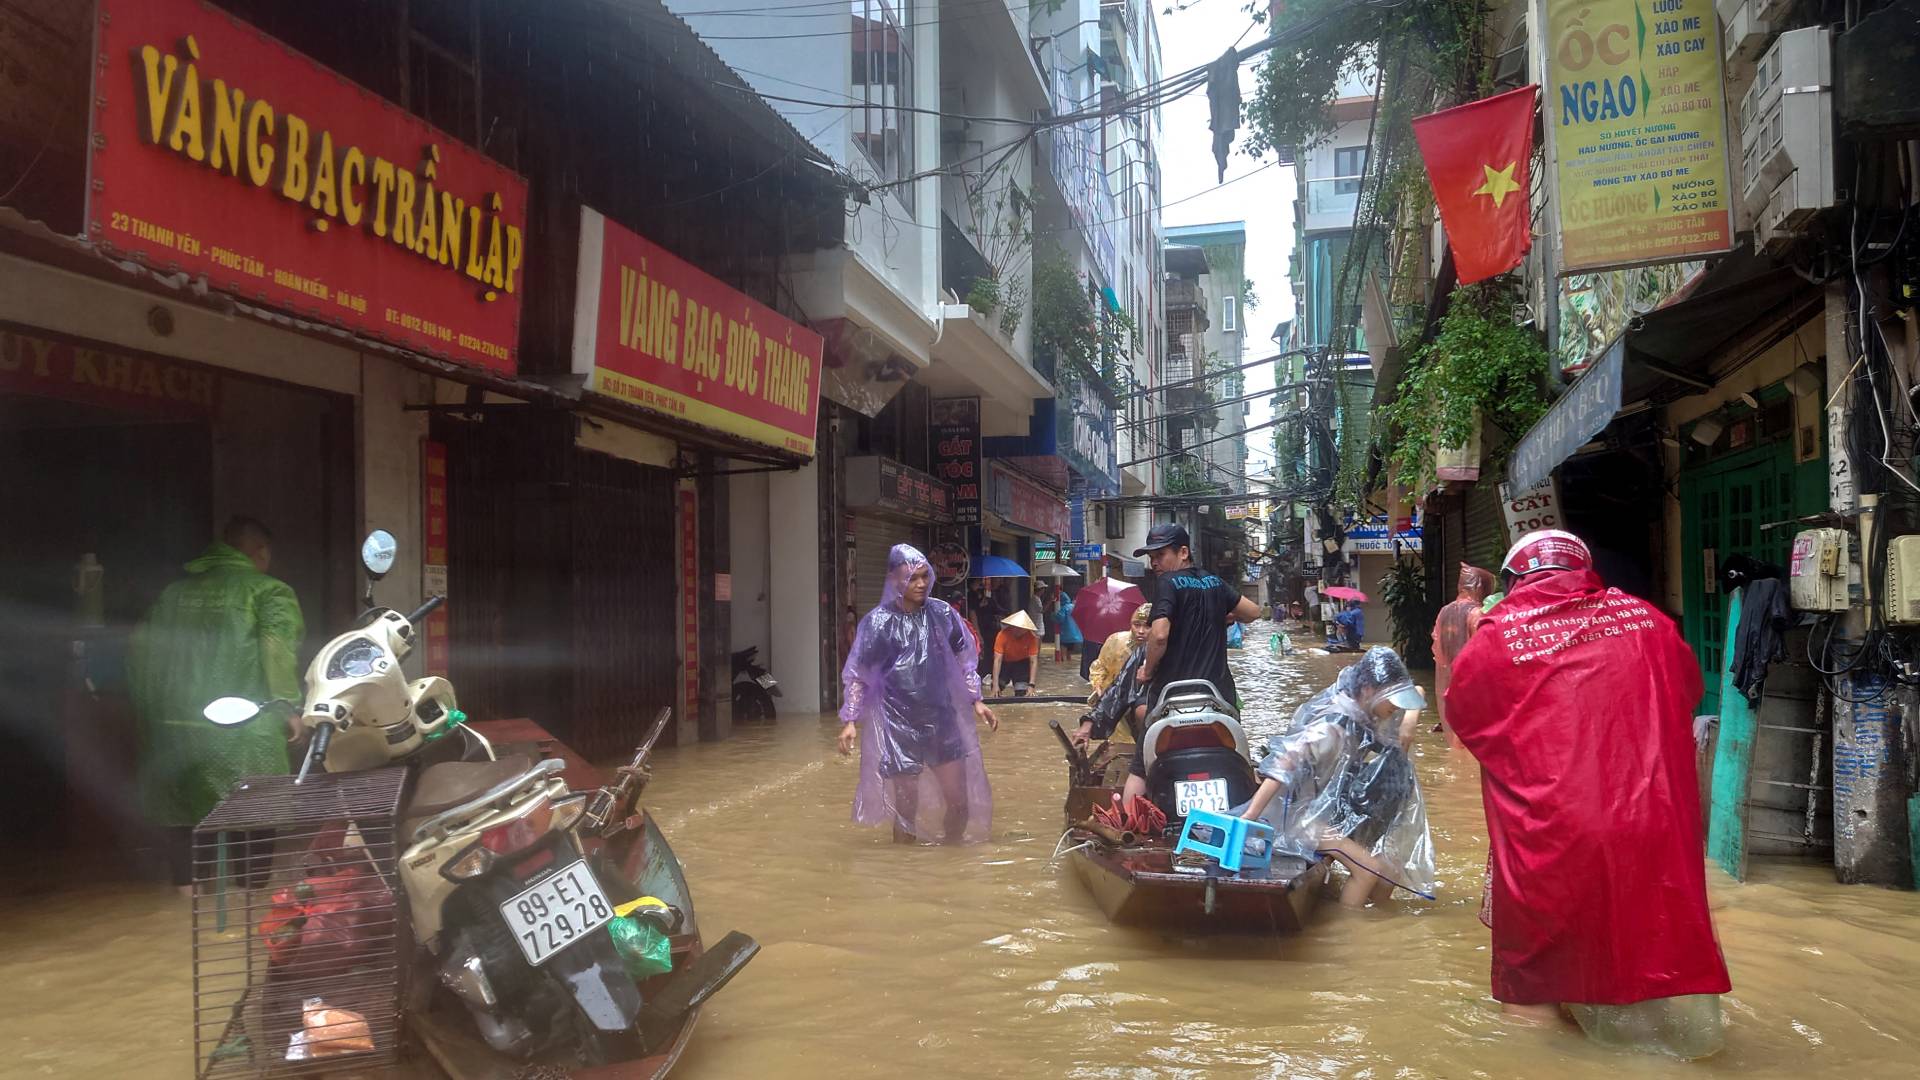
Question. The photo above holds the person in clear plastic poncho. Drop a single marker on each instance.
(911, 693)
(1340, 782)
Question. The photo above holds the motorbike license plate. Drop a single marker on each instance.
(558, 912)
(1191, 795)
(766, 682)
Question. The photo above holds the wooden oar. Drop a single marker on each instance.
(1119, 837)
(1076, 758)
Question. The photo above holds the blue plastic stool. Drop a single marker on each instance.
(1231, 835)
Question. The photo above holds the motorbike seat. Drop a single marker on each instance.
(444, 786)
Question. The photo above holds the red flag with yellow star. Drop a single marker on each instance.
(1477, 156)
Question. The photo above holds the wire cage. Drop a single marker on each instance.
(298, 938)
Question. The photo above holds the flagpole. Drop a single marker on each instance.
(1550, 165)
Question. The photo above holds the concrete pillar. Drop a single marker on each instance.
(752, 608)
(794, 588)
(390, 496)
(1870, 844)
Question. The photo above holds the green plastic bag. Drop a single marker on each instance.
(646, 950)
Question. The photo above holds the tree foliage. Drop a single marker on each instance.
(1480, 365)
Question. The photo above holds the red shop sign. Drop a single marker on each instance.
(690, 600)
(1034, 506)
(43, 367)
(221, 152)
(433, 491)
(652, 330)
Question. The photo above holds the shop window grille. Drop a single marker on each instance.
(296, 901)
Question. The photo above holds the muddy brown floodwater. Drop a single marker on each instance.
(991, 961)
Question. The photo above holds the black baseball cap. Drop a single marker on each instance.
(1161, 536)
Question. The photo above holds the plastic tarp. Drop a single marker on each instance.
(225, 630)
(909, 685)
(1346, 774)
(1578, 702)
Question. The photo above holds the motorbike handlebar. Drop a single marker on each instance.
(433, 603)
(316, 750)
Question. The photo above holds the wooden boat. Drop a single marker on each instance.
(1138, 882)
(644, 856)
(1139, 886)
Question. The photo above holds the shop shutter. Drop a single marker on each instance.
(873, 538)
(1486, 525)
(1453, 546)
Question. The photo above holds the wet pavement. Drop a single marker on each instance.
(988, 961)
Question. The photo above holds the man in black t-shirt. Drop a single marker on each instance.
(1188, 639)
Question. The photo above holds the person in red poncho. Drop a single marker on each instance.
(1454, 625)
(1578, 701)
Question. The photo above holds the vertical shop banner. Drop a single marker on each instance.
(956, 454)
(690, 602)
(653, 331)
(433, 569)
(220, 152)
(1637, 131)
(1084, 434)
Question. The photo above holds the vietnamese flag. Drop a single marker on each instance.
(1478, 156)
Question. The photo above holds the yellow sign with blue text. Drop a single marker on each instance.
(1636, 122)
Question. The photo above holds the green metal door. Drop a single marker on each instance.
(1723, 510)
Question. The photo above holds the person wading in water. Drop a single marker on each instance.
(911, 689)
(1578, 700)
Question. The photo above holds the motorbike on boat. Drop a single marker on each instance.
(511, 879)
(754, 688)
(1195, 758)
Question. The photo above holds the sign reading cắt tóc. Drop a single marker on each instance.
(652, 330)
(218, 151)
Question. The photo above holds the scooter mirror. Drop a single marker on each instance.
(228, 711)
(377, 552)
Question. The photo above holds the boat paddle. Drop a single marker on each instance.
(1117, 837)
(1076, 758)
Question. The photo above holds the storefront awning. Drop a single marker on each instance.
(1739, 306)
(1672, 351)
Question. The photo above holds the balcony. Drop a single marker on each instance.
(1332, 202)
(1186, 294)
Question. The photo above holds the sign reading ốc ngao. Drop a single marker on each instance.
(652, 330)
(218, 151)
(1637, 131)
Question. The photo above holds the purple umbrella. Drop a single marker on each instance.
(1105, 608)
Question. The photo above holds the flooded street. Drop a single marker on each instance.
(888, 961)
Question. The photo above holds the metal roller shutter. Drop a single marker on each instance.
(873, 538)
(1486, 525)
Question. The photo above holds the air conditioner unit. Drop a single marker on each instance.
(1786, 131)
(1818, 578)
(1744, 34)
(1903, 581)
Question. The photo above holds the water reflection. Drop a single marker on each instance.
(992, 961)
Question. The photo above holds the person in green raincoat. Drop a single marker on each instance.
(225, 630)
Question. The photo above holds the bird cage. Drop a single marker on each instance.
(299, 941)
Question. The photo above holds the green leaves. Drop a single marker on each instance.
(1404, 589)
(1480, 365)
(1069, 321)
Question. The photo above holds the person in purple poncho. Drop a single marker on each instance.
(911, 693)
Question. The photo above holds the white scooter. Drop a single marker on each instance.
(498, 884)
